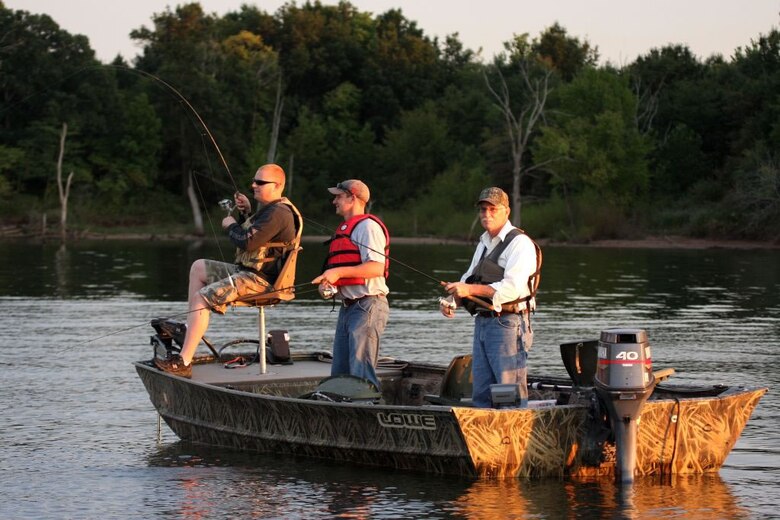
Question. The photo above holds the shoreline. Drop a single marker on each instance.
(649, 242)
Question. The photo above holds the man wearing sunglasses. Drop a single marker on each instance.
(357, 267)
(262, 241)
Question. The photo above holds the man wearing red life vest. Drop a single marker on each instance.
(357, 266)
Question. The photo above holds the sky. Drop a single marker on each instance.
(621, 29)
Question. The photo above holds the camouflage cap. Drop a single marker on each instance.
(494, 196)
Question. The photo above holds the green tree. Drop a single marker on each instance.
(565, 54)
(42, 85)
(227, 79)
(592, 143)
(330, 147)
(413, 154)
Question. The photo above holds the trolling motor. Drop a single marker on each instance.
(624, 381)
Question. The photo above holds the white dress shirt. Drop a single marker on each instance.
(518, 261)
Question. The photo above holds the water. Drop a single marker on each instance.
(79, 435)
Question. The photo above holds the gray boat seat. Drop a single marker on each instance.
(456, 385)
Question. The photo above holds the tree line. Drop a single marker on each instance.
(669, 143)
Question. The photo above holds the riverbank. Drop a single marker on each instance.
(649, 242)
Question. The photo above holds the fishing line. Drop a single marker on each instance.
(441, 283)
(178, 94)
(426, 275)
(180, 314)
(171, 90)
(208, 217)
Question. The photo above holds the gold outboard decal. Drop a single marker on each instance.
(406, 420)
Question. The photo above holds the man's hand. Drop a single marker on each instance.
(330, 276)
(227, 222)
(458, 289)
(447, 306)
(242, 202)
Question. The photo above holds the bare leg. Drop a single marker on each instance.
(199, 313)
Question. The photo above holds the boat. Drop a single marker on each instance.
(612, 417)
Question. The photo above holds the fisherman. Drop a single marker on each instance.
(499, 289)
(263, 241)
(356, 269)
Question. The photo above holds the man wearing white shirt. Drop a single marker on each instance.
(499, 289)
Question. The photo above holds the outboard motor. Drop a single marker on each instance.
(624, 381)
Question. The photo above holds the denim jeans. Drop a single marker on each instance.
(356, 345)
(500, 353)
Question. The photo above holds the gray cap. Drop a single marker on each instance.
(354, 187)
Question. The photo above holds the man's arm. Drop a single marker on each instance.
(267, 227)
(364, 270)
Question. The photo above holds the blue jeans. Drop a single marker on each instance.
(356, 345)
(500, 354)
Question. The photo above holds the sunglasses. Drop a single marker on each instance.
(261, 182)
(340, 186)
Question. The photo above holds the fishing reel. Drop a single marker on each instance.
(327, 291)
(227, 205)
(448, 303)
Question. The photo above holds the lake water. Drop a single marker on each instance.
(79, 435)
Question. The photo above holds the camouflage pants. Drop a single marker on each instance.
(227, 283)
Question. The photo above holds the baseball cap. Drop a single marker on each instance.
(354, 187)
(494, 196)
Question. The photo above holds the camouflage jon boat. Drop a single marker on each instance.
(423, 420)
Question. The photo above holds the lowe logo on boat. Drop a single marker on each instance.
(407, 420)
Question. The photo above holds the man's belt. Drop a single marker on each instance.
(493, 314)
(348, 302)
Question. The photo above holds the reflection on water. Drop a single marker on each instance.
(269, 485)
(80, 429)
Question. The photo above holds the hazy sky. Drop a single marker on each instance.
(621, 29)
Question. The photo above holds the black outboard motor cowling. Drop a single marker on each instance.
(624, 381)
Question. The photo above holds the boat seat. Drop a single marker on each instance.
(283, 289)
(456, 385)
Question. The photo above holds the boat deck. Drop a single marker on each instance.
(217, 374)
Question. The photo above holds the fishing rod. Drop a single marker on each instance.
(426, 275)
(442, 283)
(181, 314)
(225, 203)
(181, 97)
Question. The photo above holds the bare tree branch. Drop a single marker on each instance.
(64, 191)
(520, 127)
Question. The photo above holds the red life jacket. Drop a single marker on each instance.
(342, 251)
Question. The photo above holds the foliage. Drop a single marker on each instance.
(359, 95)
(592, 142)
(755, 202)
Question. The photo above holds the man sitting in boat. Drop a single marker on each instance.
(499, 289)
(357, 268)
(263, 240)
